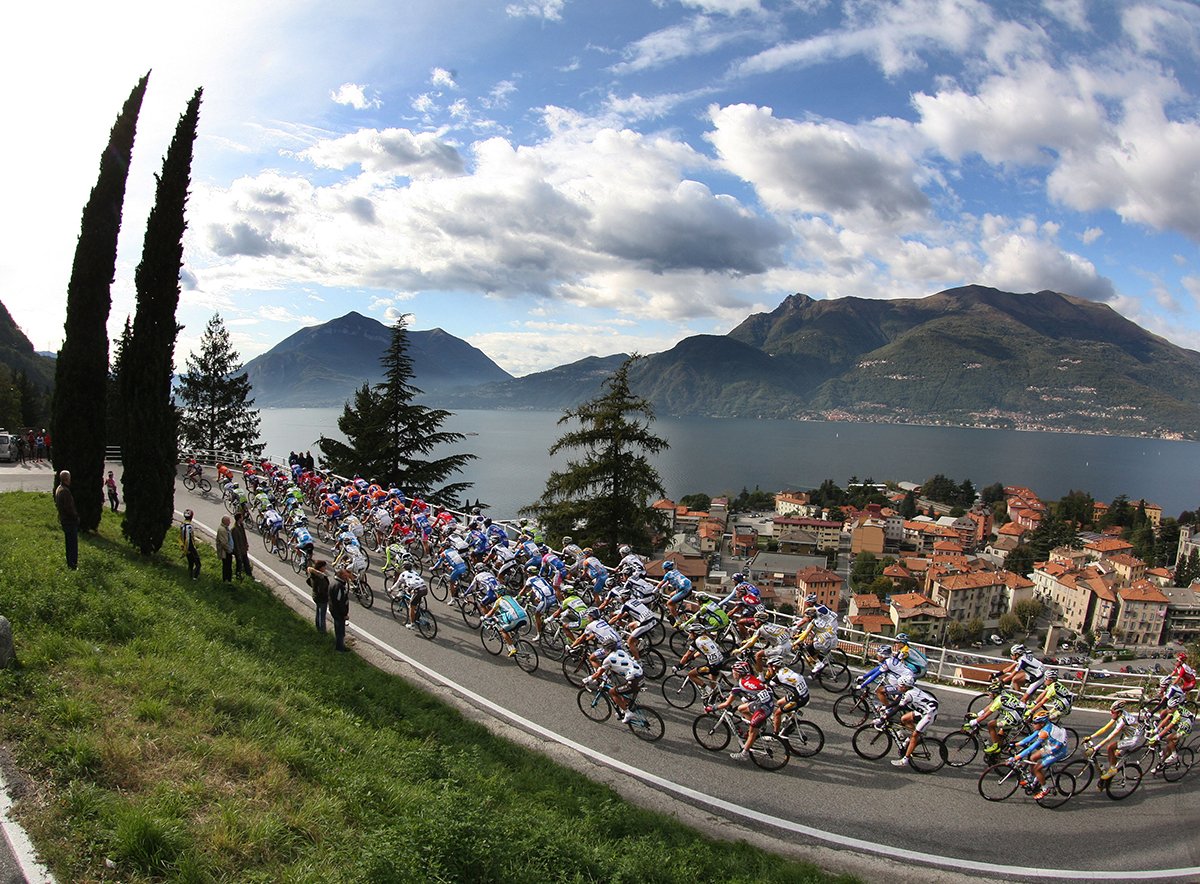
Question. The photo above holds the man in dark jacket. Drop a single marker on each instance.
(241, 545)
(68, 517)
(339, 607)
(319, 581)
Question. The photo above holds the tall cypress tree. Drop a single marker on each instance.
(151, 446)
(215, 398)
(116, 410)
(81, 373)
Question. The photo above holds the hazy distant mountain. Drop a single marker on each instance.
(558, 388)
(16, 351)
(323, 365)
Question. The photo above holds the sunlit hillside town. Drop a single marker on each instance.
(941, 575)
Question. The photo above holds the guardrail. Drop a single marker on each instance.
(949, 666)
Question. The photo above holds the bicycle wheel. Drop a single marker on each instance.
(575, 668)
(645, 724)
(399, 608)
(1175, 771)
(283, 552)
(653, 664)
(804, 738)
(230, 503)
(439, 587)
(426, 624)
(979, 701)
(1062, 787)
(189, 483)
(999, 781)
(1082, 772)
(369, 540)
(594, 704)
(1124, 782)
(1072, 740)
(835, 677)
(363, 592)
(553, 644)
(299, 562)
(678, 643)
(679, 691)
(657, 635)
(961, 748)
(268, 542)
(205, 486)
(711, 731)
(928, 755)
(471, 613)
(851, 711)
(493, 643)
(870, 743)
(769, 752)
(526, 656)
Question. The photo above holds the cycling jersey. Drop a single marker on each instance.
(511, 613)
(542, 593)
(1185, 676)
(632, 565)
(638, 611)
(708, 648)
(1031, 666)
(414, 583)
(272, 520)
(303, 538)
(603, 633)
(574, 610)
(679, 584)
(711, 616)
(641, 588)
(623, 669)
(790, 680)
(751, 690)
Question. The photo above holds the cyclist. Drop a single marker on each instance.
(757, 702)
(272, 524)
(792, 690)
(542, 598)
(194, 470)
(1047, 745)
(776, 639)
(571, 550)
(456, 567)
(631, 564)
(708, 656)
(1175, 730)
(922, 711)
(485, 586)
(1001, 715)
(1055, 699)
(595, 569)
(511, 617)
(680, 587)
(817, 629)
(625, 679)
(744, 602)
(1126, 734)
(356, 561)
(304, 541)
(573, 615)
(552, 569)
(640, 618)
(711, 615)
(415, 588)
(1025, 669)
(599, 632)
(496, 533)
(1183, 675)
(895, 674)
(502, 559)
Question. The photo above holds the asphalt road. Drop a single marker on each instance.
(940, 815)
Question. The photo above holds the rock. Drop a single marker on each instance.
(7, 654)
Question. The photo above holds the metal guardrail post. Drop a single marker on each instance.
(1084, 683)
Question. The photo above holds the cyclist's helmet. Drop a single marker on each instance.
(1042, 717)
(1164, 681)
(543, 549)
(587, 550)
(531, 569)
(480, 567)
(1051, 675)
(902, 638)
(741, 668)
(697, 627)
(1118, 706)
(882, 652)
(301, 519)
(1181, 656)
(668, 565)
(810, 599)
(624, 550)
(739, 577)
(592, 613)
(1016, 650)
(567, 541)
(762, 616)
(187, 515)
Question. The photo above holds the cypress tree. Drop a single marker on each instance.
(78, 411)
(151, 446)
(215, 399)
(116, 411)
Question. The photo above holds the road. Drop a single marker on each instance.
(939, 816)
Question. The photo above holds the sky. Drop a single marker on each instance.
(552, 179)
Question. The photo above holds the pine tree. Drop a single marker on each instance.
(390, 436)
(81, 371)
(116, 408)
(151, 446)
(215, 412)
(605, 497)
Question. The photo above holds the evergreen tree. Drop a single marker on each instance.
(81, 370)
(390, 436)
(151, 444)
(215, 412)
(908, 506)
(35, 403)
(605, 497)
(116, 410)
(10, 398)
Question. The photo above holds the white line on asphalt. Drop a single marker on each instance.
(18, 841)
(738, 810)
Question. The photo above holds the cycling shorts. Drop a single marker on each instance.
(358, 564)
(1183, 728)
(1130, 743)
(791, 698)
(509, 623)
(459, 571)
(825, 643)
(681, 595)
(644, 627)
(1008, 718)
(1053, 755)
(544, 603)
(925, 720)
(758, 717)
(629, 689)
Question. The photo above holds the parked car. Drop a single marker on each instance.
(8, 447)
(995, 639)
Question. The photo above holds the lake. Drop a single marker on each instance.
(718, 456)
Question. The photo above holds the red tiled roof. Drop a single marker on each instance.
(1142, 591)
(871, 622)
(866, 600)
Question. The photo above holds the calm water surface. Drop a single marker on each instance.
(716, 456)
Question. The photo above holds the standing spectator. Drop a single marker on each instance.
(319, 581)
(339, 607)
(68, 517)
(241, 545)
(309, 463)
(110, 485)
(187, 540)
(225, 549)
(40, 441)
(293, 459)
(49, 450)
(19, 441)
(30, 445)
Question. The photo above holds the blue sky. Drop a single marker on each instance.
(550, 179)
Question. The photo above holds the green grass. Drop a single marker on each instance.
(193, 734)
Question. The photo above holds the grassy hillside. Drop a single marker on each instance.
(189, 732)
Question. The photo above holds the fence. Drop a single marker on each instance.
(965, 669)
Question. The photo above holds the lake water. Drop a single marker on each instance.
(718, 456)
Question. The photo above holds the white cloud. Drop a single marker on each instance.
(1192, 285)
(1090, 235)
(1155, 28)
(533, 347)
(1022, 257)
(443, 78)
(387, 151)
(862, 175)
(1072, 13)
(699, 35)
(725, 7)
(278, 313)
(355, 96)
(500, 93)
(550, 10)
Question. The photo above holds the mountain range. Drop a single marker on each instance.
(16, 352)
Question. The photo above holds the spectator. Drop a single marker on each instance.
(110, 485)
(319, 581)
(187, 540)
(339, 607)
(31, 445)
(241, 546)
(49, 450)
(224, 545)
(68, 517)
(309, 463)
(40, 441)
